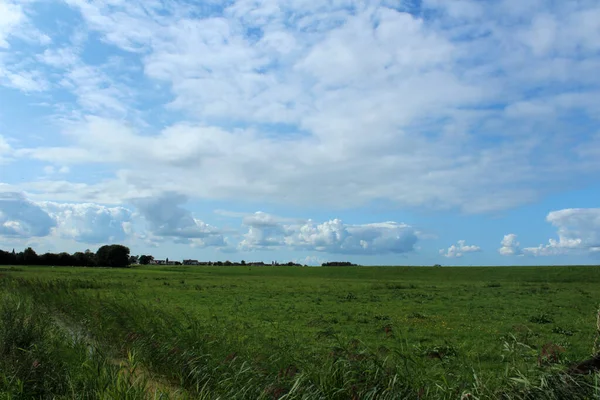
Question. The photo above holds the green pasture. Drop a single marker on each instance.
(339, 332)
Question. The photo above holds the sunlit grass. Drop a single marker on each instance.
(267, 333)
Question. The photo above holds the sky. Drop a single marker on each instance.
(390, 132)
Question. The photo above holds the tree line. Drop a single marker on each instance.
(115, 255)
(338, 264)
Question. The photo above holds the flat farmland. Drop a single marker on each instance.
(331, 333)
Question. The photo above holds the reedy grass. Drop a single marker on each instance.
(39, 360)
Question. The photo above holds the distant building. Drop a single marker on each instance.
(191, 262)
(158, 262)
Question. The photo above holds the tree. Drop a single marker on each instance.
(338, 264)
(7, 258)
(145, 260)
(30, 257)
(134, 260)
(65, 259)
(91, 258)
(80, 259)
(49, 259)
(115, 255)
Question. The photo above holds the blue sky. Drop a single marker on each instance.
(382, 132)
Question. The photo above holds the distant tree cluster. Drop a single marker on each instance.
(145, 260)
(116, 256)
(338, 264)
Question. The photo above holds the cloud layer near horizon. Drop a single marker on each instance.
(156, 221)
(578, 232)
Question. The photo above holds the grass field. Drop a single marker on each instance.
(290, 332)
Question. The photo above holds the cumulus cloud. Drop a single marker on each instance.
(578, 232)
(510, 246)
(336, 237)
(90, 223)
(265, 231)
(22, 218)
(459, 249)
(167, 219)
(162, 218)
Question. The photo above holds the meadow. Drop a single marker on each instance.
(298, 332)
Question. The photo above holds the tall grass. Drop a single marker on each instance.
(60, 340)
(40, 361)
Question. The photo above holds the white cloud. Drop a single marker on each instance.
(86, 223)
(97, 92)
(400, 41)
(221, 242)
(265, 231)
(60, 58)
(11, 15)
(226, 164)
(510, 246)
(311, 261)
(333, 104)
(459, 249)
(578, 233)
(22, 218)
(26, 81)
(90, 223)
(14, 69)
(263, 220)
(123, 24)
(168, 220)
(163, 218)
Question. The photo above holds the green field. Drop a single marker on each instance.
(290, 332)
